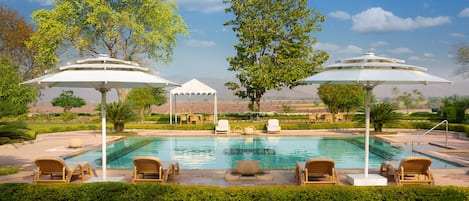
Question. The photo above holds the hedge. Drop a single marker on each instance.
(153, 191)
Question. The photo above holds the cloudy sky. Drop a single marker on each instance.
(421, 32)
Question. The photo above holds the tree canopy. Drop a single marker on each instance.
(462, 57)
(14, 98)
(143, 98)
(135, 30)
(14, 32)
(275, 46)
(67, 100)
(342, 97)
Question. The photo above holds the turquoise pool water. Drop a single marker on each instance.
(272, 152)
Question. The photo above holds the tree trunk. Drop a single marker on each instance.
(378, 127)
(122, 93)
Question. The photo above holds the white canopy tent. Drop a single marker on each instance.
(192, 87)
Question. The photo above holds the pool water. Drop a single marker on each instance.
(272, 152)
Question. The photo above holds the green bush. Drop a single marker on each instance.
(6, 170)
(127, 191)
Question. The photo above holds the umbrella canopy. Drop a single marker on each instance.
(371, 71)
(102, 73)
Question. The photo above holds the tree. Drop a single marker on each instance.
(341, 97)
(380, 114)
(275, 46)
(134, 30)
(119, 113)
(409, 99)
(143, 98)
(67, 100)
(14, 98)
(454, 108)
(14, 32)
(462, 57)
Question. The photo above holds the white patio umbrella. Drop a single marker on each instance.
(371, 71)
(102, 73)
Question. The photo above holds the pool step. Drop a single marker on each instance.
(382, 149)
(113, 155)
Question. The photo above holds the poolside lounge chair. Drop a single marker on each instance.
(223, 126)
(411, 170)
(151, 169)
(319, 171)
(273, 126)
(55, 170)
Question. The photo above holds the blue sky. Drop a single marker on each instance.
(421, 32)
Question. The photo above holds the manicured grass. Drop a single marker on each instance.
(6, 170)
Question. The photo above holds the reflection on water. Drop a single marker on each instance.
(272, 152)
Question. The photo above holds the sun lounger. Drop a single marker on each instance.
(319, 171)
(151, 169)
(223, 126)
(273, 126)
(55, 170)
(411, 170)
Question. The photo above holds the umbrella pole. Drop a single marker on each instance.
(103, 132)
(367, 126)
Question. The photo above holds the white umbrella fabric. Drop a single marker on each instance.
(102, 73)
(371, 71)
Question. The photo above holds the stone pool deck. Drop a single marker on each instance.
(57, 144)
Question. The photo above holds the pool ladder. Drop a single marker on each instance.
(434, 127)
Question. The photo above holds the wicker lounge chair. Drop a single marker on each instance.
(413, 170)
(151, 169)
(273, 126)
(317, 172)
(55, 170)
(223, 126)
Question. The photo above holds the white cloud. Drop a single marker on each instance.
(326, 47)
(197, 31)
(401, 50)
(204, 6)
(464, 13)
(379, 20)
(336, 49)
(379, 44)
(428, 55)
(415, 58)
(200, 43)
(44, 2)
(457, 35)
(341, 15)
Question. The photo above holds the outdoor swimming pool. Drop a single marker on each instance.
(272, 152)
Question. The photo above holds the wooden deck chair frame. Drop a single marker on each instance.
(319, 171)
(414, 170)
(150, 167)
(56, 167)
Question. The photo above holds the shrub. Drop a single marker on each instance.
(152, 191)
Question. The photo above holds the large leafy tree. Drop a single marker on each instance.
(14, 32)
(275, 46)
(67, 101)
(462, 57)
(137, 30)
(143, 98)
(14, 98)
(342, 97)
